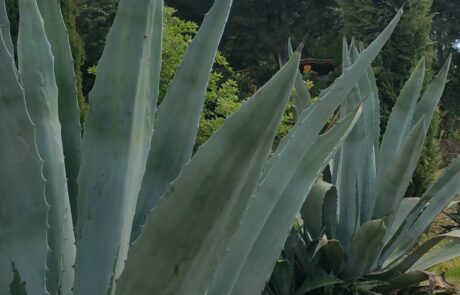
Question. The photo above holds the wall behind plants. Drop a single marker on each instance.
(410, 41)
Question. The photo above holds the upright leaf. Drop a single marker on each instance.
(182, 250)
(23, 209)
(5, 28)
(269, 217)
(433, 201)
(69, 112)
(418, 259)
(302, 97)
(116, 143)
(364, 248)
(178, 117)
(430, 99)
(391, 186)
(36, 69)
(312, 209)
(401, 116)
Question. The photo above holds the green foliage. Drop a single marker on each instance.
(257, 32)
(222, 94)
(93, 19)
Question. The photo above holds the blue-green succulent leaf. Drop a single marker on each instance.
(268, 219)
(36, 71)
(401, 116)
(433, 201)
(312, 209)
(5, 28)
(23, 208)
(215, 185)
(390, 188)
(173, 138)
(364, 248)
(116, 143)
(69, 112)
(302, 97)
(430, 99)
(422, 258)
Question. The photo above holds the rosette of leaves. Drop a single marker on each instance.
(151, 219)
(357, 232)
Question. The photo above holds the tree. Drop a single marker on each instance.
(411, 40)
(446, 33)
(257, 33)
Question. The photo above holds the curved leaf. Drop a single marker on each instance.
(69, 112)
(177, 120)
(308, 286)
(364, 248)
(311, 210)
(422, 258)
(391, 186)
(116, 143)
(36, 69)
(435, 199)
(23, 209)
(268, 218)
(208, 199)
(5, 28)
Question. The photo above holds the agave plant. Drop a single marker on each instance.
(358, 232)
(151, 219)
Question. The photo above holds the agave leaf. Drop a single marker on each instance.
(283, 164)
(334, 255)
(268, 218)
(407, 204)
(435, 199)
(311, 210)
(365, 246)
(308, 286)
(444, 252)
(23, 209)
(116, 143)
(36, 70)
(5, 28)
(349, 168)
(367, 173)
(390, 188)
(330, 212)
(376, 115)
(403, 281)
(69, 112)
(216, 185)
(421, 255)
(302, 98)
(173, 139)
(430, 99)
(400, 117)
(282, 278)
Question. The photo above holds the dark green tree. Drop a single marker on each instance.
(364, 19)
(94, 19)
(69, 11)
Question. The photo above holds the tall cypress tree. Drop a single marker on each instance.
(364, 19)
